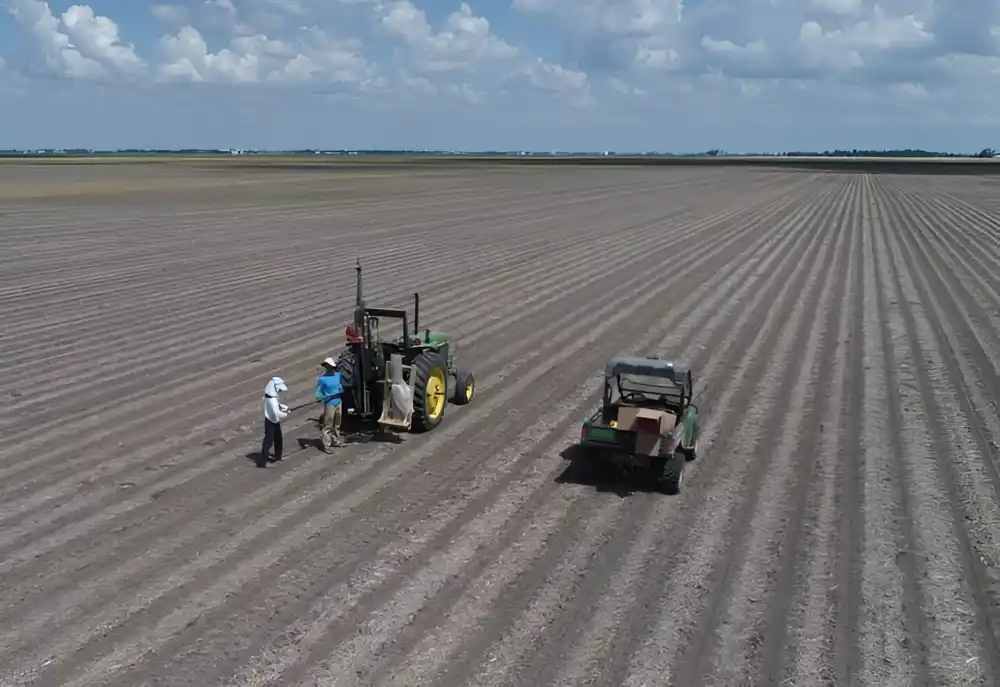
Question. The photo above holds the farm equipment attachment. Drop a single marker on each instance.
(646, 421)
(403, 383)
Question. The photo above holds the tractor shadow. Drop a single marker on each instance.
(585, 471)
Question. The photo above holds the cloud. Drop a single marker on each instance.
(465, 43)
(909, 90)
(617, 66)
(642, 43)
(311, 56)
(418, 84)
(171, 14)
(617, 35)
(539, 75)
(845, 8)
(98, 36)
(78, 44)
(968, 27)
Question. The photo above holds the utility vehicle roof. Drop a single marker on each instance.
(647, 367)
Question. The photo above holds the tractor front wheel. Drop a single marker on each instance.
(465, 387)
(430, 390)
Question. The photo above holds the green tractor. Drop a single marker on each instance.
(402, 383)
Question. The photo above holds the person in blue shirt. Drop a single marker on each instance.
(328, 392)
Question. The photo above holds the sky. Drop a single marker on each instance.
(581, 75)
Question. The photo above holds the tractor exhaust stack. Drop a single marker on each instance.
(359, 300)
(416, 314)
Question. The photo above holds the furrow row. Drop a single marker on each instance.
(570, 342)
(289, 287)
(841, 524)
(608, 592)
(962, 524)
(715, 547)
(300, 223)
(695, 332)
(74, 504)
(232, 237)
(558, 281)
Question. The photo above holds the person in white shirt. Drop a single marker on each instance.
(274, 413)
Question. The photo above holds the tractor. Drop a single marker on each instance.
(421, 367)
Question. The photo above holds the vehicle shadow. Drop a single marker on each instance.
(586, 470)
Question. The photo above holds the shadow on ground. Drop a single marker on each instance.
(254, 455)
(351, 432)
(583, 470)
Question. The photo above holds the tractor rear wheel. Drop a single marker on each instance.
(345, 365)
(430, 390)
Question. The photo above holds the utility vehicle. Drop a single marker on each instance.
(646, 421)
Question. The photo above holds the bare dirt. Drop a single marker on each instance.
(840, 526)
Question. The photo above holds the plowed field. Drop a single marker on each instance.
(840, 526)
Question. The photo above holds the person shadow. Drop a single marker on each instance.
(253, 457)
(350, 432)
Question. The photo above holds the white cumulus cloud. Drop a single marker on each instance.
(464, 43)
(78, 44)
(312, 56)
(642, 60)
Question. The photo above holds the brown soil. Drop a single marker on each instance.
(840, 526)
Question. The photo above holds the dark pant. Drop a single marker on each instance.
(272, 436)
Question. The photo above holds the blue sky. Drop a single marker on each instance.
(627, 75)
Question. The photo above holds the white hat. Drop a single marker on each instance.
(330, 362)
(278, 383)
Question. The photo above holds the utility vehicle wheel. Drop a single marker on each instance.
(465, 388)
(430, 390)
(691, 453)
(672, 475)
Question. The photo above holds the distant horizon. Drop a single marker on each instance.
(238, 152)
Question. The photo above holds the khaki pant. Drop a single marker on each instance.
(332, 415)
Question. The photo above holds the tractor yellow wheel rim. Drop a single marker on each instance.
(435, 393)
(469, 390)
